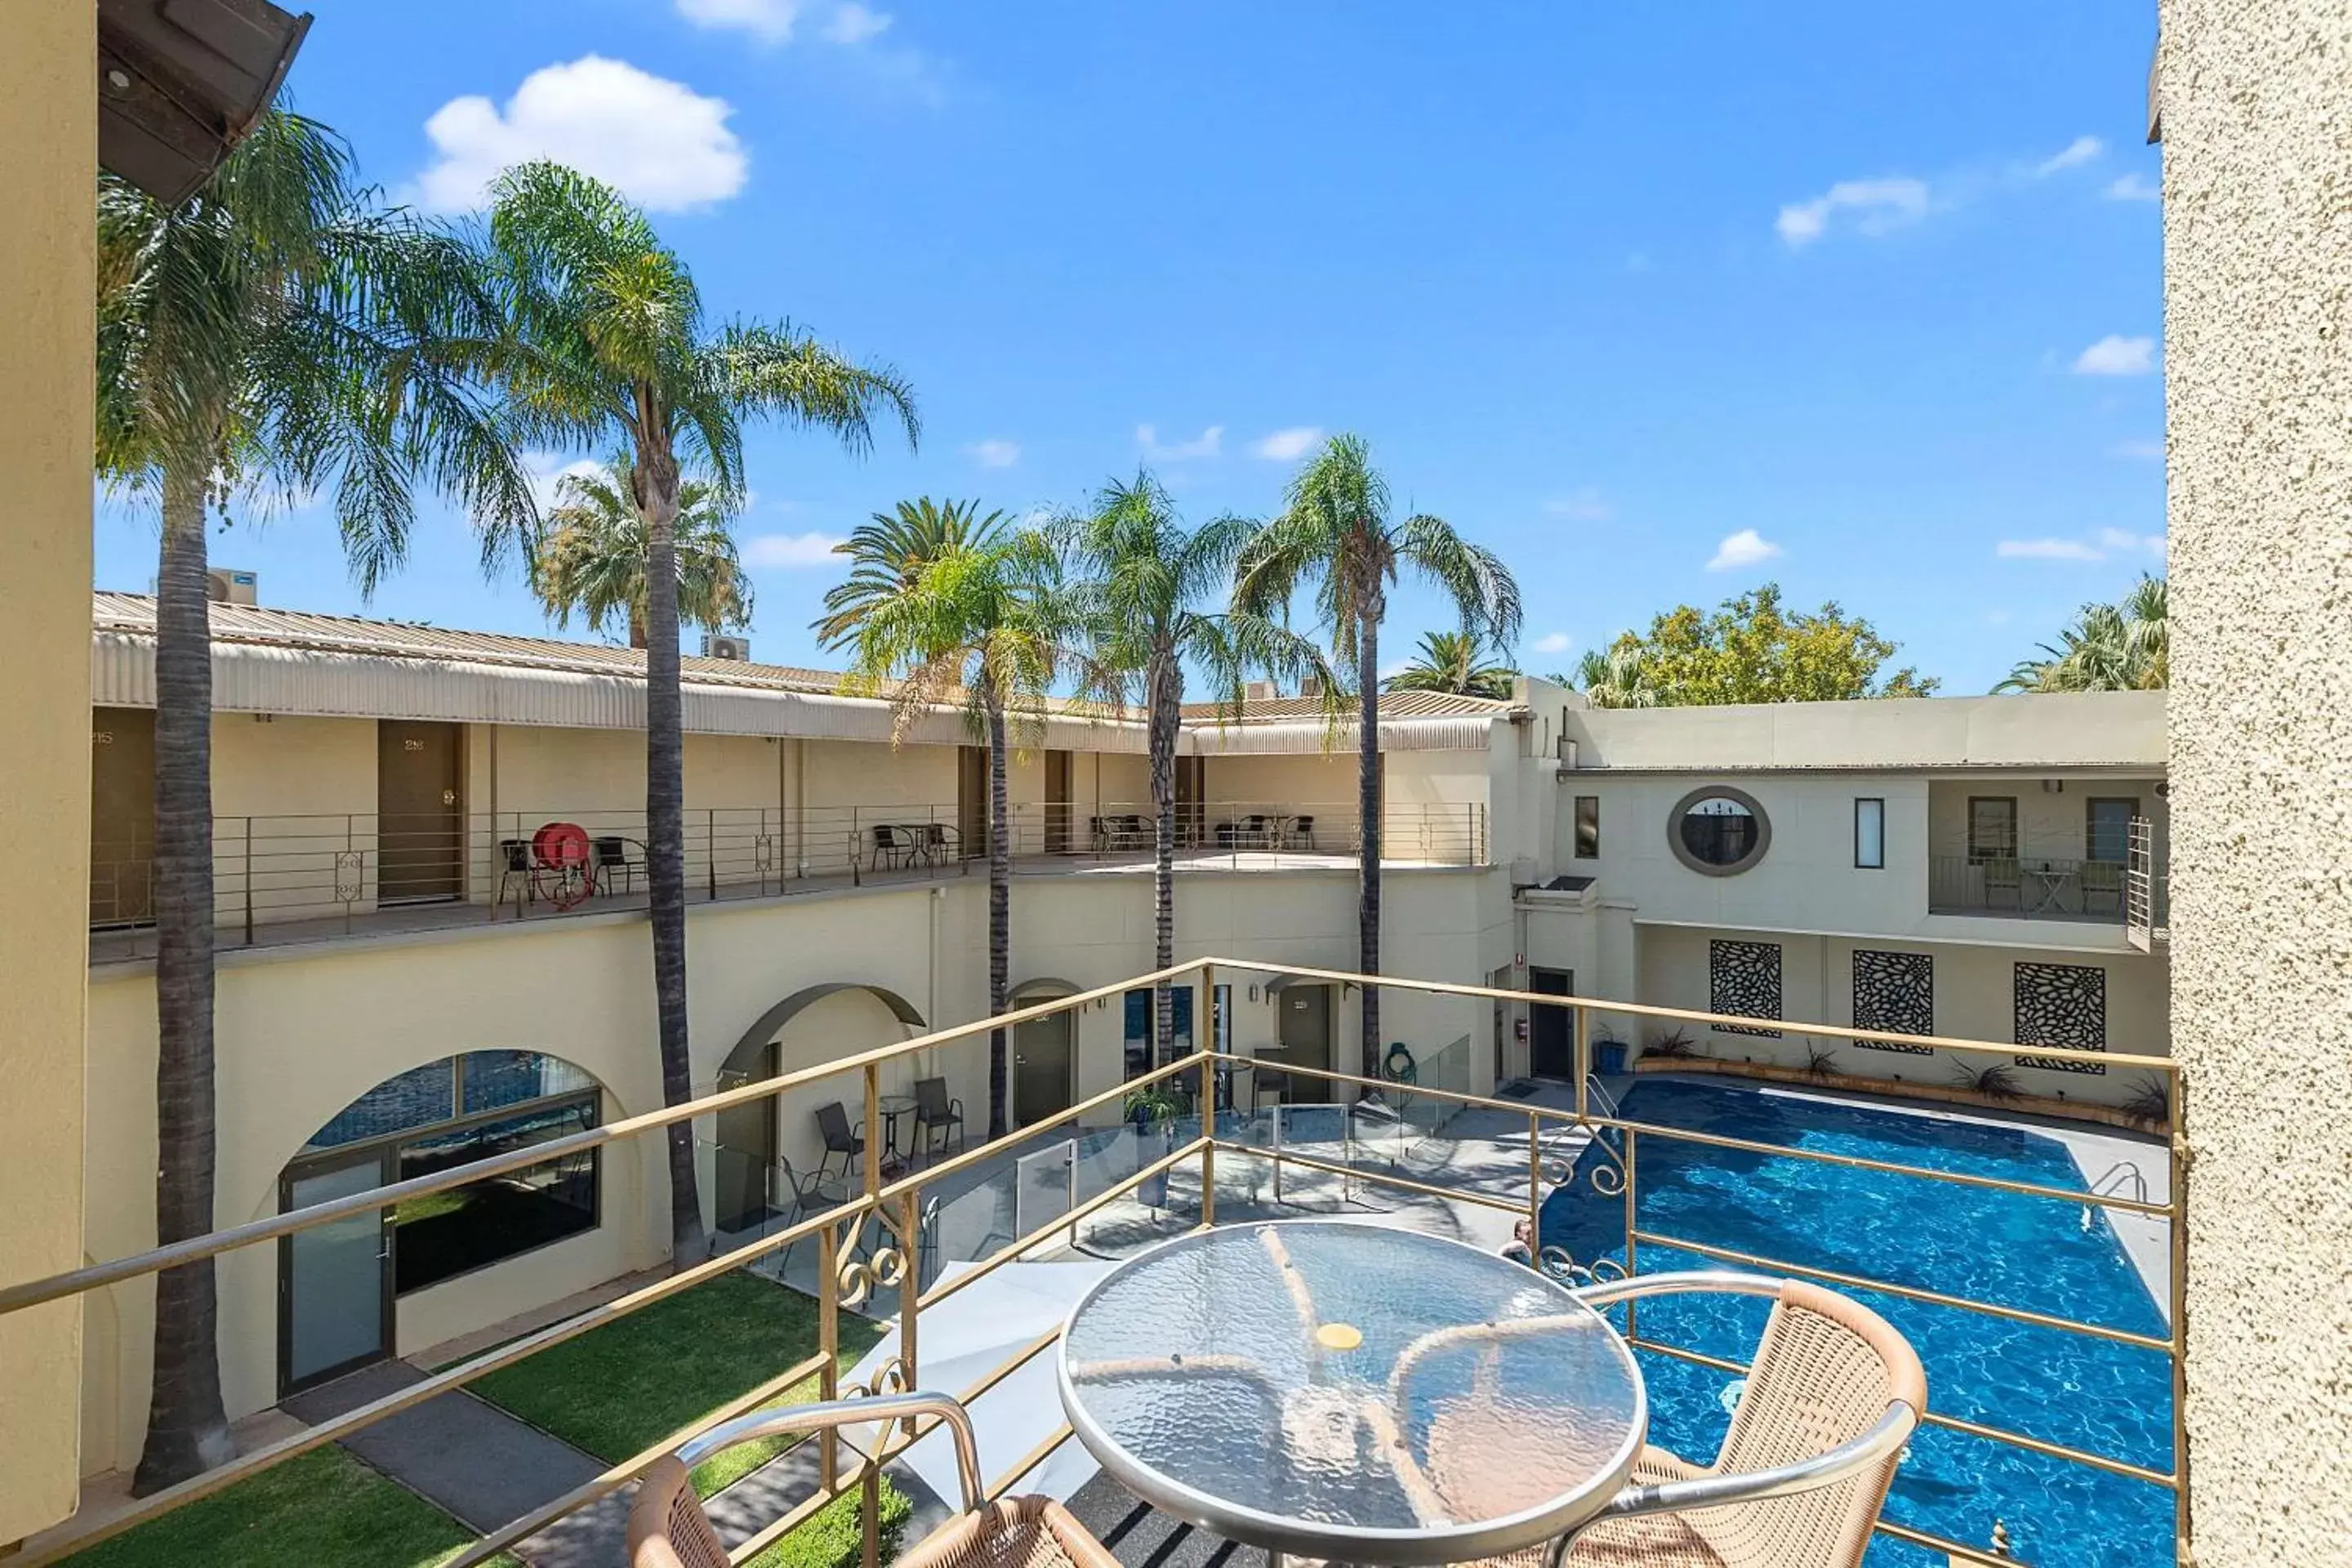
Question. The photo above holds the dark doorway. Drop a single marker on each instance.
(122, 815)
(1057, 803)
(1191, 777)
(1304, 1032)
(971, 800)
(1551, 1050)
(1042, 1058)
(420, 816)
(743, 1195)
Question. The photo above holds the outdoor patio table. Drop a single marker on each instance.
(1341, 1390)
(891, 1107)
(2050, 883)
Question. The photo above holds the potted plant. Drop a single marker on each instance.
(1154, 1107)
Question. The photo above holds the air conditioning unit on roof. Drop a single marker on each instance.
(1259, 691)
(226, 585)
(718, 645)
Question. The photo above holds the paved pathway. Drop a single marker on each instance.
(464, 1453)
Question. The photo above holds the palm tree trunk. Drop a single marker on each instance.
(187, 1429)
(1000, 908)
(1368, 817)
(665, 838)
(1167, 698)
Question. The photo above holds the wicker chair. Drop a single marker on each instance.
(668, 1527)
(1833, 1394)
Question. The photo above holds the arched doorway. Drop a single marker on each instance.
(744, 1184)
(339, 1283)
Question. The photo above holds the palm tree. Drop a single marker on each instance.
(1145, 578)
(1337, 536)
(591, 556)
(986, 624)
(2123, 646)
(1448, 661)
(610, 342)
(887, 552)
(1615, 676)
(276, 335)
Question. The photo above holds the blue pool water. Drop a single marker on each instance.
(2006, 1249)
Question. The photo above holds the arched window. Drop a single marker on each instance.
(455, 1111)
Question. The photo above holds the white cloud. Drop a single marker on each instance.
(2080, 151)
(662, 145)
(2135, 188)
(548, 470)
(853, 24)
(1745, 548)
(2117, 355)
(1554, 642)
(1208, 444)
(1878, 206)
(790, 550)
(1582, 505)
(995, 454)
(2107, 545)
(2145, 451)
(2047, 550)
(1287, 445)
(769, 21)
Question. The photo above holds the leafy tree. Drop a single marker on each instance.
(609, 343)
(985, 623)
(2123, 646)
(276, 335)
(1146, 581)
(591, 556)
(1450, 662)
(1337, 536)
(1749, 650)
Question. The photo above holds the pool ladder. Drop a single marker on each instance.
(2123, 1179)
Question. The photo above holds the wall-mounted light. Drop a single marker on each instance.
(1253, 994)
(2054, 786)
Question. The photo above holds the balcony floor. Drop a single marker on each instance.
(129, 944)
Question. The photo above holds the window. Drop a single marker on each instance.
(1992, 827)
(1588, 827)
(456, 1111)
(1718, 831)
(1870, 834)
(1138, 1028)
(2107, 829)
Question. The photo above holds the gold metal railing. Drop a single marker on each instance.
(893, 1203)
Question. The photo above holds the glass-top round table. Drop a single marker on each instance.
(1347, 1391)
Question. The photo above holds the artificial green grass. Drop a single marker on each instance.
(620, 1389)
(323, 1507)
(833, 1537)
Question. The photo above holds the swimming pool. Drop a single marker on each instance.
(2003, 1247)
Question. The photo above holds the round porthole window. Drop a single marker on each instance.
(1718, 831)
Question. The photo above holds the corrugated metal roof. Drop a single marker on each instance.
(1393, 705)
(293, 662)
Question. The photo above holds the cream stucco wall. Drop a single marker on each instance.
(1974, 998)
(2258, 375)
(303, 1031)
(48, 118)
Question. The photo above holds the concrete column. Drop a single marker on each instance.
(48, 169)
(2256, 105)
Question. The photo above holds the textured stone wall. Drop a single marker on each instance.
(2256, 99)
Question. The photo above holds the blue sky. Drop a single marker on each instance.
(1658, 302)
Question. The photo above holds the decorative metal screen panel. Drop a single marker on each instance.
(2062, 1005)
(1894, 992)
(1743, 978)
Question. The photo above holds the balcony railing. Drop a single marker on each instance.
(290, 877)
(880, 1235)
